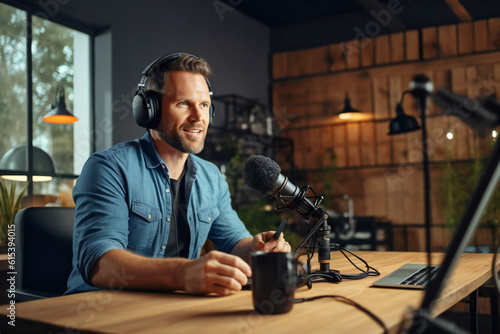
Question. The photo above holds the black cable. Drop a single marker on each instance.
(317, 276)
(370, 271)
(311, 254)
(312, 277)
(349, 302)
(364, 273)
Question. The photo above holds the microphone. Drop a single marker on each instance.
(264, 175)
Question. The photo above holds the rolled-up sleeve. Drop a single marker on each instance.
(227, 230)
(101, 221)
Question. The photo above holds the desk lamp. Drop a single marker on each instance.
(420, 87)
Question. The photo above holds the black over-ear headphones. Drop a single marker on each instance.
(146, 105)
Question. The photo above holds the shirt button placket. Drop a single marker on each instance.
(168, 218)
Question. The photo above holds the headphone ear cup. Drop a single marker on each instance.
(155, 108)
(212, 113)
(139, 109)
(146, 108)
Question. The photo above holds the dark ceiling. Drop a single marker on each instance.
(413, 14)
(278, 13)
(300, 24)
(297, 24)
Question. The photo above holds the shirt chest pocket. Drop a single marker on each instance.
(206, 218)
(143, 227)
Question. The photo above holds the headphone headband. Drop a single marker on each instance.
(147, 71)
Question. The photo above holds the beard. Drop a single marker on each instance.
(175, 138)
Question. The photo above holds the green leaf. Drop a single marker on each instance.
(3, 199)
(17, 204)
(9, 206)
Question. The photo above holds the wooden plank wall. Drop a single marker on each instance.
(382, 173)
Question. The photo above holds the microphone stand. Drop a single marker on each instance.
(324, 271)
(323, 230)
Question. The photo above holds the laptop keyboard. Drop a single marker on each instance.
(420, 277)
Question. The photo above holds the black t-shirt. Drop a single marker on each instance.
(178, 237)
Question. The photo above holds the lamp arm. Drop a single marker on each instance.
(403, 96)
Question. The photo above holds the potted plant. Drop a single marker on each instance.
(10, 204)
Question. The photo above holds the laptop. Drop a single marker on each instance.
(410, 276)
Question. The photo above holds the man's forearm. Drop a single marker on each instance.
(120, 269)
(243, 249)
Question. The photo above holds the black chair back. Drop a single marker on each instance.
(43, 245)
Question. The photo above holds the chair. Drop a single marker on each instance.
(43, 245)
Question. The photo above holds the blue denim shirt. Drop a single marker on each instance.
(123, 201)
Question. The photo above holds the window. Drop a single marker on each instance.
(38, 58)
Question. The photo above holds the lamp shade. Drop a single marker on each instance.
(348, 110)
(59, 114)
(402, 123)
(16, 159)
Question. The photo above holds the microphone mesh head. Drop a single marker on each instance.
(261, 173)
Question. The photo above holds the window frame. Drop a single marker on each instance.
(31, 11)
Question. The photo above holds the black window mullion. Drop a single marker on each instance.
(29, 100)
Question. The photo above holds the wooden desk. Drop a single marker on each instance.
(134, 312)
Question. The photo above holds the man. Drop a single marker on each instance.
(145, 208)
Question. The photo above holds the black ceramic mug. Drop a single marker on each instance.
(274, 280)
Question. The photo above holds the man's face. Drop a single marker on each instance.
(185, 111)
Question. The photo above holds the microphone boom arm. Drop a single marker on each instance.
(320, 222)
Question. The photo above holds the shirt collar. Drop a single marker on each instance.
(151, 156)
(153, 159)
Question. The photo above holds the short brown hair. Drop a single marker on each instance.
(185, 62)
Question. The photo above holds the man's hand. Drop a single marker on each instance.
(215, 272)
(265, 242)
